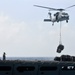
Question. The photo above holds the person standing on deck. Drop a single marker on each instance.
(4, 56)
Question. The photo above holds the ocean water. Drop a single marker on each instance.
(30, 58)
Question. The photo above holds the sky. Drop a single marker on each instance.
(24, 34)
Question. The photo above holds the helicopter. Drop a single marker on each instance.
(58, 16)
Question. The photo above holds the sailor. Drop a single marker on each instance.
(4, 56)
(60, 48)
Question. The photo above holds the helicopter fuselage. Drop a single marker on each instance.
(60, 16)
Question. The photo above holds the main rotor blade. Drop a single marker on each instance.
(69, 7)
(46, 7)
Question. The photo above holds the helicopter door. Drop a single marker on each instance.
(56, 16)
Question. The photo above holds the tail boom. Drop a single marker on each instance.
(47, 20)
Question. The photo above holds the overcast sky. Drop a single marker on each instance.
(23, 32)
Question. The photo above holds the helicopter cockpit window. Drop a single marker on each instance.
(56, 14)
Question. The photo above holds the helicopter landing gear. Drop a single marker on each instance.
(66, 21)
(53, 24)
(57, 21)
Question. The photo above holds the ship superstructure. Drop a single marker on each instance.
(37, 67)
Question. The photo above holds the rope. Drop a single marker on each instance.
(60, 41)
